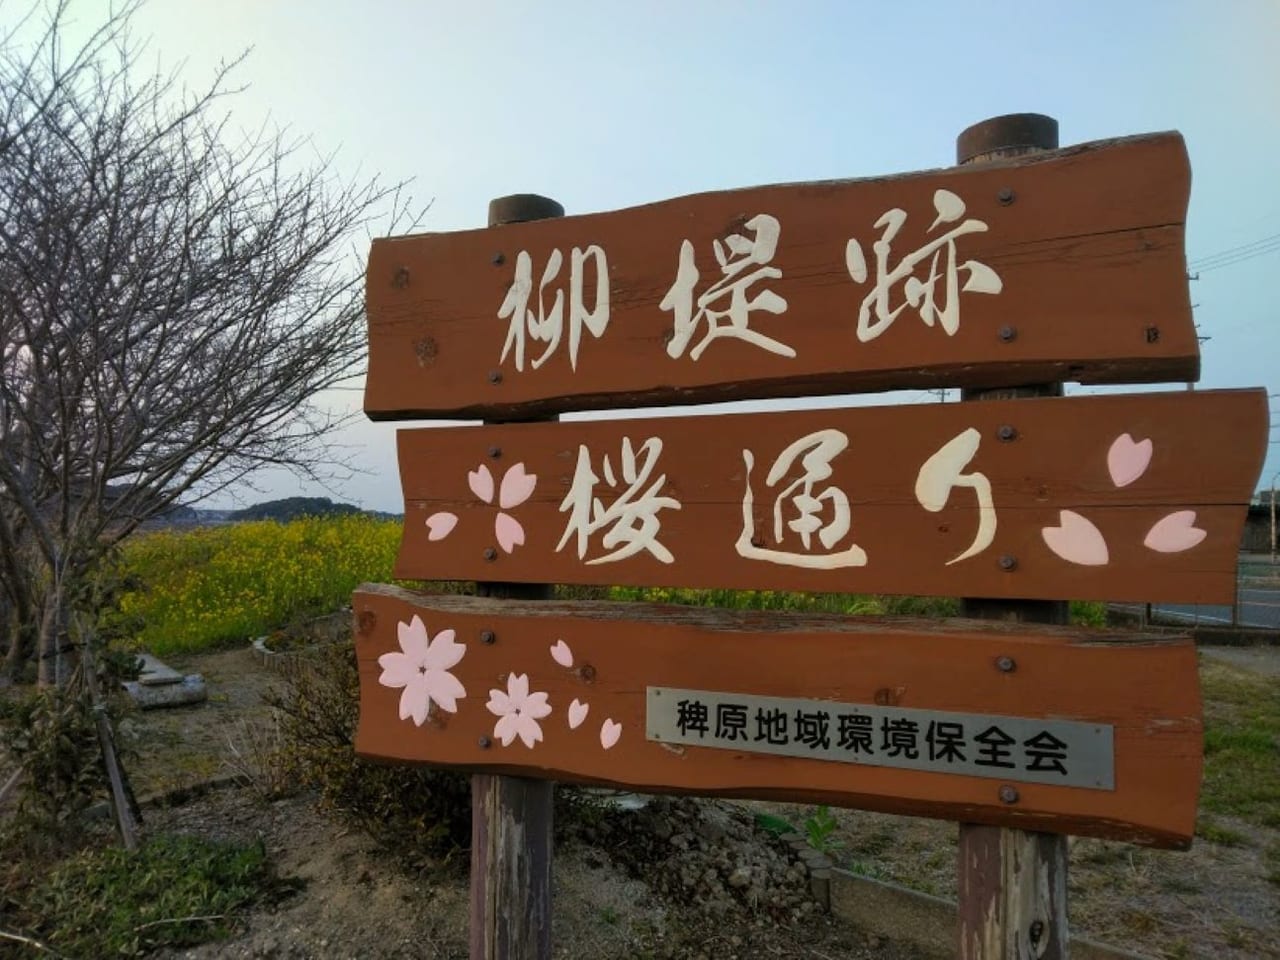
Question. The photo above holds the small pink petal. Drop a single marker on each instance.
(1127, 460)
(517, 487)
(440, 525)
(577, 713)
(481, 482)
(507, 728)
(508, 531)
(561, 654)
(536, 706)
(445, 689)
(1175, 533)
(1076, 540)
(530, 731)
(413, 637)
(609, 733)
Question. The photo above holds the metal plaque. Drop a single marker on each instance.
(1058, 752)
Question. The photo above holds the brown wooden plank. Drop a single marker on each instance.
(1206, 449)
(1087, 243)
(1144, 687)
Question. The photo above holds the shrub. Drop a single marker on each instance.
(420, 813)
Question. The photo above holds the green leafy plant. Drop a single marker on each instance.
(173, 891)
(819, 829)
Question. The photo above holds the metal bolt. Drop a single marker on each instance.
(1007, 433)
(401, 279)
(1006, 664)
(1152, 334)
(366, 621)
(1008, 563)
(495, 376)
(487, 636)
(499, 259)
(1008, 793)
(1007, 334)
(588, 672)
(1005, 196)
(495, 452)
(484, 742)
(490, 554)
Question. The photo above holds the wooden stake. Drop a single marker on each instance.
(511, 817)
(1013, 883)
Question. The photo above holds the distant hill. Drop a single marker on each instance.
(291, 508)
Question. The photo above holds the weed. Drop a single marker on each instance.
(1241, 756)
(774, 825)
(174, 891)
(1271, 862)
(819, 829)
(1209, 829)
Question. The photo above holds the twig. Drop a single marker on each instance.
(158, 923)
(10, 784)
(30, 942)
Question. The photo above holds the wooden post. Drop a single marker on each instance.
(511, 817)
(1013, 884)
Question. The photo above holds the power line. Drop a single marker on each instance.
(1237, 254)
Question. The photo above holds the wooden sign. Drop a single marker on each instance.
(1138, 498)
(1036, 727)
(1067, 265)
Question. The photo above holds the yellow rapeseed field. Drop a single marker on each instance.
(215, 586)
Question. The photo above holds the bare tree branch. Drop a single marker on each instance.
(173, 295)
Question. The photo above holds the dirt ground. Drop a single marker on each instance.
(625, 894)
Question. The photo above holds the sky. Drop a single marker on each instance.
(604, 105)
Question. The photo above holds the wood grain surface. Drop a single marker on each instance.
(1086, 244)
(1137, 497)
(1145, 687)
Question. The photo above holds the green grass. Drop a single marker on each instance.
(174, 891)
(1241, 744)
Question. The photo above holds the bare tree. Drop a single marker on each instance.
(173, 294)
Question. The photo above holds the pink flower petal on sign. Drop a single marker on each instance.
(1076, 540)
(445, 689)
(1175, 533)
(508, 531)
(440, 525)
(609, 733)
(1127, 460)
(517, 487)
(481, 482)
(529, 730)
(561, 654)
(577, 713)
(506, 728)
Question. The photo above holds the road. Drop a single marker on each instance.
(1259, 607)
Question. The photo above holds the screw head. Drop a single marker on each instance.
(499, 259)
(487, 636)
(495, 376)
(1152, 334)
(588, 672)
(1007, 334)
(484, 743)
(1006, 664)
(1008, 793)
(401, 278)
(1008, 562)
(490, 554)
(1007, 433)
(1006, 196)
(495, 452)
